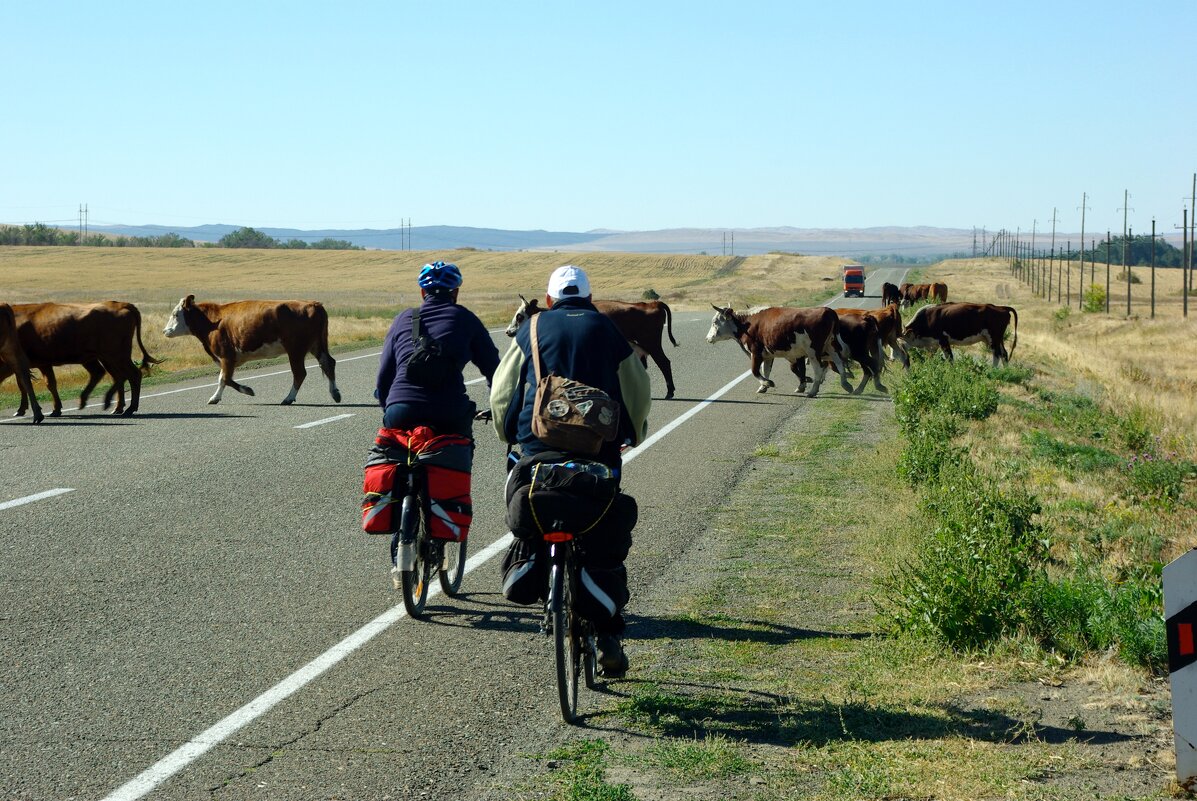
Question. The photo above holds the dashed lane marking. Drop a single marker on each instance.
(315, 423)
(38, 497)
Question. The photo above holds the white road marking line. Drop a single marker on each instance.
(315, 423)
(39, 496)
(187, 753)
(192, 750)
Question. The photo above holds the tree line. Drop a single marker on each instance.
(1138, 252)
(45, 235)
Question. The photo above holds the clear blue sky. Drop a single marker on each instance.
(574, 116)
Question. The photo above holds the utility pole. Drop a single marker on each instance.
(1153, 268)
(1108, 248)
(1084, 199)
(1125, 209)
(80, 242)
(1126, 267)
(1052, 268)
(1038, 269)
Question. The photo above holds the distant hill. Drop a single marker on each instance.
(920, 242)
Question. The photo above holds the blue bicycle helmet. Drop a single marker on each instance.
(439, 275)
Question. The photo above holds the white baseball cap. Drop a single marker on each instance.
(568, 281)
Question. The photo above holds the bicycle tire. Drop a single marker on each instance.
(451, 566)
(415, 581)
(564, 644)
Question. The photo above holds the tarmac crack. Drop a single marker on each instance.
(283, 746)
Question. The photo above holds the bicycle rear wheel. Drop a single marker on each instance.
(452, 566)
(415, 580)
(566, 643)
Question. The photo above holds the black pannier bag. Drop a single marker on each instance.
(549, 488)
(429, 366)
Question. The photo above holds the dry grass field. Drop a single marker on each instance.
(363, 290)
(1124, 362)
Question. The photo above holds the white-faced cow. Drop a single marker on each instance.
(783, 333)
(12, 357)
(962, 324)
(98, 336)
(642, 325)
(235, 333)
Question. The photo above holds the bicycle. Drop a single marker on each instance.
(574, 639)
(415, 554)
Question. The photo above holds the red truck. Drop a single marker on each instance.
(854, 281)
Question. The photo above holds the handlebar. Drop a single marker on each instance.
(484, 416)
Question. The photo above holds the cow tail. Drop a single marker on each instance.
(668, 322)
(147, 360)
(1013, 342)
(322, 343)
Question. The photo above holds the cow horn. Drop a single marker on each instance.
(521, 297)
(716, 308)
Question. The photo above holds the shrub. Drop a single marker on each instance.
(929, 452)
(1061, 316)
(1134, 279)
(1155, 478)
(1011, 374)
(966, 583)
(650, 294)
(1094, 299)
(1086, 611)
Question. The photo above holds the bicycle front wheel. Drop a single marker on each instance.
(565, 642)
(452, 566)
(414, 579)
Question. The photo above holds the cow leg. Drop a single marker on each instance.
(117, 389)
(94, 373)
(124, 370)
(298, 374)
(760, 370)
(227, 365)
(798, 368)
(52, 385)
(665, 367)
(840, 368)
(22, 374)
(819, 372)
(946, 347)
(328, 366)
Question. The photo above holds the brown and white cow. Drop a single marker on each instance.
(12, 357)
(238, 332)
(962, 324)
(642, 325)
(98, 336)
(779, 332)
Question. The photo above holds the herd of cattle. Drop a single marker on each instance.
(100, 337)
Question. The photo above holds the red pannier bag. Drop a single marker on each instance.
(446, 459)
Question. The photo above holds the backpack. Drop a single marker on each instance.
(568, 415)
(429, 366)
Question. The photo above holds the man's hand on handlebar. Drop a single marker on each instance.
(485, 416)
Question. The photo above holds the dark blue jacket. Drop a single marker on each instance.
(462, 336)
(577, 342)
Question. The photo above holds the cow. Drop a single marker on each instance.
(859, 334)
(913, 293)
(12, 357)
(890, 294)
(238, 332)
(641, 324)
(938, 293)
(889, 329)
(98, 336)
(786, 333)
(962, 324)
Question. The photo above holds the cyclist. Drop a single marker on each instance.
(578, 342)
(462, 338)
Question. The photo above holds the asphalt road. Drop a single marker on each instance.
(197, 614)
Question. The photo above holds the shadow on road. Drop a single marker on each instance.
(696, 711)
(731, 629)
